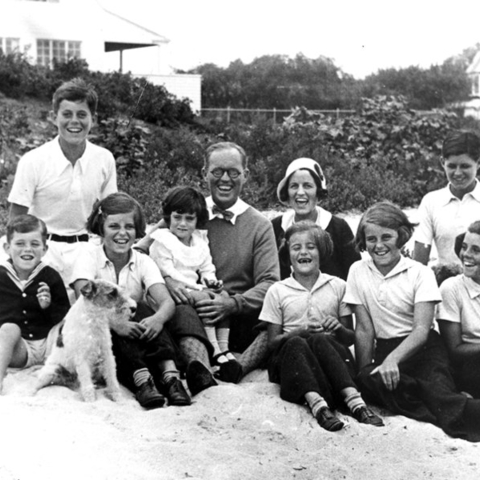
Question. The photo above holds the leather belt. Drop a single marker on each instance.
(68, 239)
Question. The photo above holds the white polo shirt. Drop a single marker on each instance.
(291, 305)
(135, 278)
(390, 300)
(461, 304)
(442, 217)
(59, 193)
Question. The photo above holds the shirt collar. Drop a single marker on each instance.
(61, 156)
(323, 218)
(14, 276)
(473, 288)
(447, 196)
(237, 209)
(322, 280)
(104, 261)
(402, 265)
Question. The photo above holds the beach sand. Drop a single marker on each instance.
(230, 432)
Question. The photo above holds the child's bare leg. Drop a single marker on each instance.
(223, 334)
(13, 351)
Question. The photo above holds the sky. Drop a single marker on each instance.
(361, 36)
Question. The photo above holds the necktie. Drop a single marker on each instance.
(225, 214)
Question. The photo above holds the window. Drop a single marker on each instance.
(60, 50)
(9, 45)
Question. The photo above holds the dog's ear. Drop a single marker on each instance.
(89, 289)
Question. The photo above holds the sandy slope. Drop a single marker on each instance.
(230, 432)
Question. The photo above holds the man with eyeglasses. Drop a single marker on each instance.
(244, 253)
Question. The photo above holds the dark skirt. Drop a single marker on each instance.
(311, 363)
(133, 354)
(467, 375)
(426, 390)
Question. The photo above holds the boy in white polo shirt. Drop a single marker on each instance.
(60, 181)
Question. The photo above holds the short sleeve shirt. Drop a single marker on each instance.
(59, 193)
(390, 300)
(135, 278)
(442, 217)
(461, 304)
(291, 305)
(179, 261)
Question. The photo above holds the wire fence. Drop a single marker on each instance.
(248, 114)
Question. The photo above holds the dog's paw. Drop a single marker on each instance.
(115, 396)
(88, 395)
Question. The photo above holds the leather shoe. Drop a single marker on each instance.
(366, 416)
(327, 420)
(198, 377)
(230, 371)
(176, 393)
(148, 396)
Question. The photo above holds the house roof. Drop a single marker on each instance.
(122, 34)
(474, 67)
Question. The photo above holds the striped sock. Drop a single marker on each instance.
(354, 401)
(141, 376)
(315, 402)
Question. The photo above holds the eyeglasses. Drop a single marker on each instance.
(233, 173)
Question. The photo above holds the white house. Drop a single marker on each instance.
(472, 107)
(60, 29)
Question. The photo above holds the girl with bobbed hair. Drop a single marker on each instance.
(310, 330)
(145, 354)
(458, 315)
(402, 361)
(302, 187)
(446, 213)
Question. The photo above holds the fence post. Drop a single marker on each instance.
(274, 116)
(228, 114)
(338, 113)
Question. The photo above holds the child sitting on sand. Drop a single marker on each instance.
(402, 360)
(309, 331)
(33, 297)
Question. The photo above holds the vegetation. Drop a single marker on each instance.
(385, 150)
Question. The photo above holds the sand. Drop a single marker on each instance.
(230, 432)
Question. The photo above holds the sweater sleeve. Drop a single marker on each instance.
(265, 269)
(60, 303)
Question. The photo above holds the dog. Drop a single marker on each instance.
(83, 349)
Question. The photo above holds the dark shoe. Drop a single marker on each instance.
(230, 371)
(148, 396)
(366, 416)
(327, 420)
(176, 393)
(198, 377)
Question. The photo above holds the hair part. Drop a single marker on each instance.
(25, 224)
(216, 147)
(76, 90)
(322, 240)
(185, 200)
(387, 215)
(461, 142)
(116, 204)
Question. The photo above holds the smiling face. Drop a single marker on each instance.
(304, 254)
(461, 171)
(74, 122)
(26, 251)
(470, 256)
(225, 190)
(182, 226)
(381, 243)
(119, 235)
(302, 195)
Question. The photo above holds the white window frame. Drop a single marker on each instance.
(9, 45)
(61, 50)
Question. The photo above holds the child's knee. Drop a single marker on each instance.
(10, 332)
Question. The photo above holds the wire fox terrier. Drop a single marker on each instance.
(84, 346)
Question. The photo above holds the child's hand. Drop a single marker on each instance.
(215, 285)
(313, 326)
(44, 296)
(152, 328)
(331, 324)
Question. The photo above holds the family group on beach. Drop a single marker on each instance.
(221, 290)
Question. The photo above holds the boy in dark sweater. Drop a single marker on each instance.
(34, 299)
